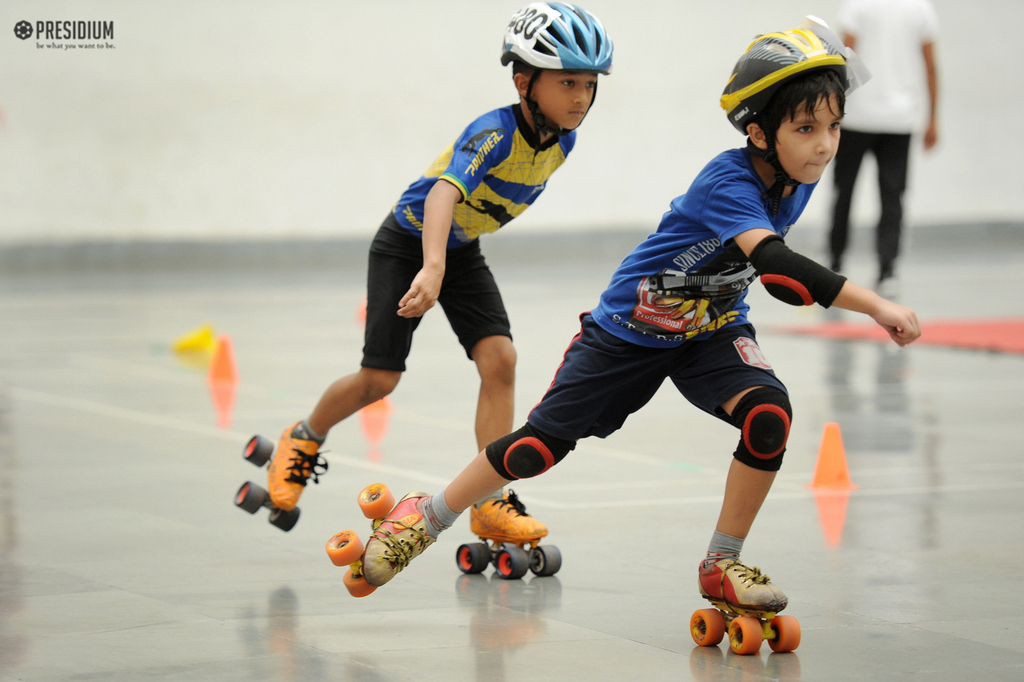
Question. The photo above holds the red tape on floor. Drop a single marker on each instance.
(998, 335)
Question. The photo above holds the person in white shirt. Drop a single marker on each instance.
(896, 41)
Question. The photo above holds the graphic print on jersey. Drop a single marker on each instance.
(487, 139)
(690, 303)
(658, 315)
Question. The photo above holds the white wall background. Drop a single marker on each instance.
(273, 119)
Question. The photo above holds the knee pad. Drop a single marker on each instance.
(526, 453)
(763, 416)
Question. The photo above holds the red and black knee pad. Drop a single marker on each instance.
(526, 453)
(763, 416)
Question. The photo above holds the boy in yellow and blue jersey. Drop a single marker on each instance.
(427, 249)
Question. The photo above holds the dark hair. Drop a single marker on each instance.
(802, 94)
(522, 67)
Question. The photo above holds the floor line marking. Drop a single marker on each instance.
(356, 463)
(237, 437)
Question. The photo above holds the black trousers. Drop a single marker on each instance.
(891, 151)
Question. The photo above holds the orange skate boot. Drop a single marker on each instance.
(295, 462)
(510, 540)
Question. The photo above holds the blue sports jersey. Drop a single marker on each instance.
(500, 168)
(646, 302)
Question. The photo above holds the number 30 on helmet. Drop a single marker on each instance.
(561, 37)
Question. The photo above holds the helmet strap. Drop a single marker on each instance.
(540, 121)
(782, 178)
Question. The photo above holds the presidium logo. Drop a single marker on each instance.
(68, 35)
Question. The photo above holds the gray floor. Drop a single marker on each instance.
(122, 556)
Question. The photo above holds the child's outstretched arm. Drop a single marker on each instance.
(797, 280)
(900, 321)
(437, 223)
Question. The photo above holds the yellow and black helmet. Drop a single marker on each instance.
(772, 60)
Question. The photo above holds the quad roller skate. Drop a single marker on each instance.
(398, 536)
(746, 606)
(294, 463)
(509, 539)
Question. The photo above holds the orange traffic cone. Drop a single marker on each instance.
(223, 380)
(222, 366)
(832, 484)
(374, 418)
(831, 472)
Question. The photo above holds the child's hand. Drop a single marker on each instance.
(900, 321)
(422, 294)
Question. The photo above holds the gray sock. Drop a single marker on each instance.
(302, 431)
(722, 546)
(498, 494)
(436, 514)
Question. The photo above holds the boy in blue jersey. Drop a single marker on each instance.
(676, 309)
(426, 250)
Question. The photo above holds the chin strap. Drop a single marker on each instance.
(540, 122)
(782, 179)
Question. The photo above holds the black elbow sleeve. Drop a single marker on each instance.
(793, 278)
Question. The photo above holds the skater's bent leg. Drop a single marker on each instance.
(495, 359)
(521, 454)
(349, 394)
(745, 492)
(477, 481)
(721, 575)
(762, 413)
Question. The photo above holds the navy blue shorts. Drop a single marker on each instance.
(469, 297)
(603, 379)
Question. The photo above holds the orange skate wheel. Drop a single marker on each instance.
(357, 585)
(745, 635)
(787, 634)
(707, 627)
(344, 548)
(376, 501)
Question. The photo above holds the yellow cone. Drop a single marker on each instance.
(199, 340)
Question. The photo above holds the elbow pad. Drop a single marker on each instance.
(792, 278)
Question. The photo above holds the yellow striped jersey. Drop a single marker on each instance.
(500, 168)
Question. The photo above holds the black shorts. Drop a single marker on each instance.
(603, 379)
(469, 297)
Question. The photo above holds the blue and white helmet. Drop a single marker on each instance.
(553, 35)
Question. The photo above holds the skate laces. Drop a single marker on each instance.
(747, 574)
(514, 502)
(303, 467)
(399, 551)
